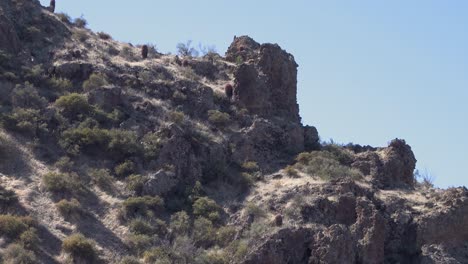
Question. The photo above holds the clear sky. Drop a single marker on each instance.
(369, 71)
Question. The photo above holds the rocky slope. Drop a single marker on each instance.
(109, 157)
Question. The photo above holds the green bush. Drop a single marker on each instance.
(102, 178)
(225, 235)
(63, 183)
(143, 206)
(250, 166)
(218, 118)
(254, 210)
(13, 226)
(29, 239)
(141, 227)
(26, 121)
(176, 117)
(65, 18)
(212, 257)
(130, 260)
(135, 183)
(291, 171)
(70, 209)
(80, 22)
(95, 81)
(151, 144)
(207, 208)
(124, 169)
(26, 96)
(157, 255)
(80, 248)
(326, 165)
(60, 84)
(104, 36)
(116, 143)
(123, 143)
(64, 164)
(203, 232)
(180, 223)
(72, 105)
(17, 254)
(7, 198)
(139, 243)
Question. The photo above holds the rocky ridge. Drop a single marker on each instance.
(130, 132)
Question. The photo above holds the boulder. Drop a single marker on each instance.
(160, 183)
(106, 98)
(75, 71)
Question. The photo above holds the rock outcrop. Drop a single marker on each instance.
(266, 81)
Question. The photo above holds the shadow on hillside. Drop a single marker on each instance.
(13, 161)
(50, 246)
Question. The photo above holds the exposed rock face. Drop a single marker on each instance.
(106, 97)
(76, 71)
(265, 140)
(267, 83)
(390, 167)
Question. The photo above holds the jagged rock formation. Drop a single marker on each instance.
(155, 161)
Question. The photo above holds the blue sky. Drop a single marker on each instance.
(369, 71)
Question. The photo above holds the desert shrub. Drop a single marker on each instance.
(212, 257)
(293, 211)
(29, 239)
(225, 235)
(424, 179)
(248, 179)
(254, 210)
(34, 74)
(115, 143)
(186, 49)
(13, 226)
(203, 232)
(65, 164)
(95, 80)
(73, 104)
(291, 171)
(26, 96)
(207, 208)
(17, 254)
(257, 230)
(180, 223)
(135, 183)
(60, 84)
(81, 35)
(326, 165)
(65, 18)
(122, 144)
(142, 206)
(102, 178)
(189, 73)
(129, 260)
(80, 22)
(78, 139)
(124, 169)
(140, 226)
(250, 166)
(218, 118)
(127, 53)
(11, 76)
(139, 243)
(157, 255)
(343, 155)
(176, 117)
(80, 248)
(151, 144)
(70, 208)
(64, 183)
(26, 121)
(104, 36)
(7, 197)
(179, 96)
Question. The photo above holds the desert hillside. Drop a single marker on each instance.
(116, 153)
